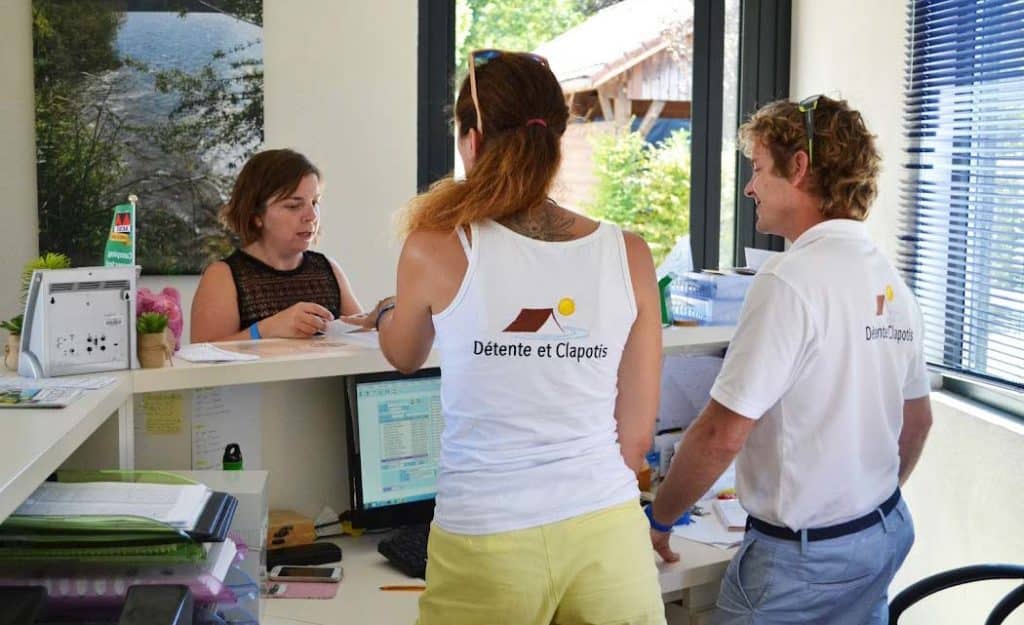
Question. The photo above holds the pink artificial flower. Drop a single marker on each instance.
(166, 302)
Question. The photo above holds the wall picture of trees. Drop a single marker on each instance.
(158, 98)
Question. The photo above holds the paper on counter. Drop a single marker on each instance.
(339, 328)
(363, 339)
(206, 352)
(708, 530)
(685, 389)
(756, 258)
(88, 383)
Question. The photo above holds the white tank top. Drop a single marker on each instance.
(530, 349)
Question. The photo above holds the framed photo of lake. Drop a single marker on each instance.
(162, 99)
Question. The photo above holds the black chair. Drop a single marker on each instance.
(963, 575)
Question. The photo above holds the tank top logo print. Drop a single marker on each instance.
(548, 326)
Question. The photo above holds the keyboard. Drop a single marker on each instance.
(406, 549)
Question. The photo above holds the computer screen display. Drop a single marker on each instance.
(397, 439)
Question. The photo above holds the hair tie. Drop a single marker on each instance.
(538, 121)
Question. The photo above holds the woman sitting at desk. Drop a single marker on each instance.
(548, 328)
(274, 285)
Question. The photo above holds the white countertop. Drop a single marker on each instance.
(34, 442)
(293, 359)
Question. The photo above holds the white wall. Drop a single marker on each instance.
(854, 50)
(19, 234)
(964, 493)
(340, 87)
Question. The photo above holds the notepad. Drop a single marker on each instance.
(731, 514)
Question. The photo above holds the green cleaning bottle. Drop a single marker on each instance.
(232, 458)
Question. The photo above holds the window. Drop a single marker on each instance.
(682, 124)
(962, 238)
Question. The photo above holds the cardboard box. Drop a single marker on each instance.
(289, 529)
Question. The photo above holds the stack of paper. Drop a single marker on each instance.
(176, 505)
(708, 529)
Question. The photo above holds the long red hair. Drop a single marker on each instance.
(516, 162)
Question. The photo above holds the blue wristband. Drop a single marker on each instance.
(254, 332)
(655, 524)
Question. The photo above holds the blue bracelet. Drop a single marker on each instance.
(655, 524)
(254, 332)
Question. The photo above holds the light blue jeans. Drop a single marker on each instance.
(841, 581)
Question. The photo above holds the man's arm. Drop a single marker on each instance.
(917, 420)
(709, 446)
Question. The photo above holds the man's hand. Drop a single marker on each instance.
(660, 542)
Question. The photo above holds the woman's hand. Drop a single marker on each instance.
(301, 320)
(369, 320)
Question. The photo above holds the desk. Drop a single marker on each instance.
(34, 443)
(359, 600)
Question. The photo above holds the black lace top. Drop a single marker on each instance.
(264, 291)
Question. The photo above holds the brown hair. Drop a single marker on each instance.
(516, 162)
(265, 176)
(844, 170)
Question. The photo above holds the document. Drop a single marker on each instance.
(178, 505)
(368, 339)
(207, 352)
(756, 258)
(37, 397)
(90, 382)
(730, 514)
(338, 328)
(685, 389)
(227, 414)
(708, 530)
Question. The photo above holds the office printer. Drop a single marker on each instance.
(79, 320)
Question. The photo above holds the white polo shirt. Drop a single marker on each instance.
(828, 347)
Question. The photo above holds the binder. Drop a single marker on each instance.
(115, 539)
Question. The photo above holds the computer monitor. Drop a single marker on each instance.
(394, 447)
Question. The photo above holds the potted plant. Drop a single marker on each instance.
(49, 260)
(154, 348)
(13, 345)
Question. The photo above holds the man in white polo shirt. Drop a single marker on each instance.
(823, 394)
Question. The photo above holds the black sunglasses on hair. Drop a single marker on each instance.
(807, 107)
(482, 57)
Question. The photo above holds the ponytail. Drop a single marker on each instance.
(513, 172)
(519, 154)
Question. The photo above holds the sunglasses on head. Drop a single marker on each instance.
(479, 58)
(807, 107)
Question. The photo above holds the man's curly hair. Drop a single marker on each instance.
(844, 169)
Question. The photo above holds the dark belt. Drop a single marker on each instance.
(832, 531)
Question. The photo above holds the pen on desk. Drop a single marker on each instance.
(403, 587)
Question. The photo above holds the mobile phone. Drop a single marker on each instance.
(291, 573)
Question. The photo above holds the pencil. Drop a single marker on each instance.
(403, 587)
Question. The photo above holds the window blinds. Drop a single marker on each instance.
(962, 195)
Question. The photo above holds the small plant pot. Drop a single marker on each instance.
(154, 350)
(11, 350)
